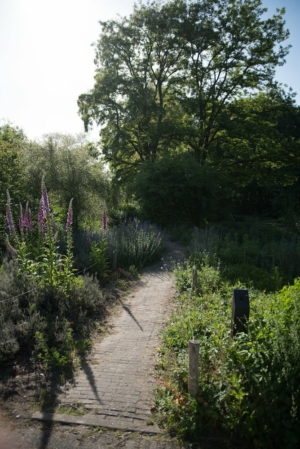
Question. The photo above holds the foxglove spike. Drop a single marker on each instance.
(104, 221)
(69, 216)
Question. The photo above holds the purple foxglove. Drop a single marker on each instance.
(27, 222)
(41, 218)
(69, 216)
(104, 221)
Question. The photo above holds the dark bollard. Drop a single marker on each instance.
(240, 311)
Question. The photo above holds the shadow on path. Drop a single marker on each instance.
(90, 376)
(126, 308)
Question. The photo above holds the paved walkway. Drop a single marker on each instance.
(115, 384)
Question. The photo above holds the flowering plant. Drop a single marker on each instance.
(42, 263)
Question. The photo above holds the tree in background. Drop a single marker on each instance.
(196, 78)
(12, 141)
(72, 169)
(165, 75)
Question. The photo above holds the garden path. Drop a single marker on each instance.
(114, 385)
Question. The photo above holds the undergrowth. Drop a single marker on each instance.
(248, 385)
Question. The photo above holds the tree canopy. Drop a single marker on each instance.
(167, 76)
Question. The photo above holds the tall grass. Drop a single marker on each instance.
(266, 258)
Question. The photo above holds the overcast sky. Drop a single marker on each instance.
(46, 58)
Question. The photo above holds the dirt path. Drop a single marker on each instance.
(114, 385)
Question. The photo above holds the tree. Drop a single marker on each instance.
(12, 140)
(166, 74)
(72, 169)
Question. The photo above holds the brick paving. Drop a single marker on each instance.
(115, 383)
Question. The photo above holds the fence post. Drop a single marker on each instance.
(193, 385)
(194, 281)
(115, 254)
(240, 311)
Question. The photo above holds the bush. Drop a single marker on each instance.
(249, 385)
(175, 189)
(254, 254)
(137, 243)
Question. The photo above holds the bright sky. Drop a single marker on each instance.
(46, 58)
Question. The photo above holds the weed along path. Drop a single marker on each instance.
(114, 385)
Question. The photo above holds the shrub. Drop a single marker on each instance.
(137, 243)
(253, 254)
(249, 385)
(174, 190)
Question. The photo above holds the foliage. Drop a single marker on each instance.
(137, 243)
(12, 140)
(45, 305)
(174, 190)
(99, 259)
(252, 252)
(73, 169)
(248, 385)
(166, 74)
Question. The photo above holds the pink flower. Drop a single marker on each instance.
(69, 216)
(27, 222)
(41, 218)
(104, 221)
(45, 199)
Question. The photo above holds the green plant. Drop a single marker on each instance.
(99, 259)
(52, 355)
(45, 303)
(240, 379)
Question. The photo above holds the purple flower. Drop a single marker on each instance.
(27, 222)
(45, 199)
(104, 220)
(12, 251)
(9, 216)
(69, 216)
(41, 218)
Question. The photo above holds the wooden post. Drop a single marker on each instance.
(115, 253)
(194, 282)
(240, 311)
(193, 386)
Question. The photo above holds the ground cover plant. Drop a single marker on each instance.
(248, 385)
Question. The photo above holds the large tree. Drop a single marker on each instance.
(166, 74)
